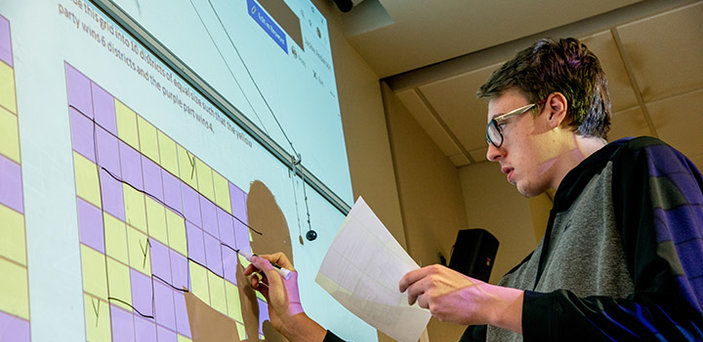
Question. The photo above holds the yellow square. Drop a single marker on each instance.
(168, 154)
(94, 280)
(12, 235)
(176, 232)
(242, 331)
(148, 140)
(182, 338)
(97, 319)
(205, 186)
(119, 284)
(127, 124)
(9, 135)
(115, 238)
(198, 281)
(134, 209)
(7, 88)
(186, 167)
(14, 290)
(234, 306)
(218, 300)
(222, 197)
(87, 184)
(139, 254)
(156, 220)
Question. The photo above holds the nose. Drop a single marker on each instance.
(493, 153)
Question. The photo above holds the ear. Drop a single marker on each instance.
(555, 109)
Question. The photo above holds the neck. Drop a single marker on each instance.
(575, 152)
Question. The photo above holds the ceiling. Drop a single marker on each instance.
(650, 50)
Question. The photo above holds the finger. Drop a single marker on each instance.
(418, 288)
(280, 259)
(264, 265)
(250, 269)
(413, 276)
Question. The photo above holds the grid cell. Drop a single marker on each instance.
(186, 167)
(218, 300)
(122, 325)
(168, 154)
(9, 136)
(179, 270)
(108, 151)
(208, 213)
(115, 238)
(198, 282)
(182, 321)
(205, 186)
(152, 179)
(213, 256)
(131, 166)
(165, 312)
(176, 232)
(134, 208)
(13, 243)
(234, 305)
(142, 292)
(126, 124)
(11, 184)
(138, 244)
(13, 328)
(160, 261)
(221, 187)
(104, 106)
(229, 264)
(144, 329)
(87, 183)
(5, 44)
(112, 195)
(14, 290)
(156, 220)
(165, 335)
(97, 318)
(94, 273)
(191, 205)
(148, 140)
(172, 192)
(119, 284)
(82, 134)
(90, 223)
(196, 244)
(225, 227)
(79, 96)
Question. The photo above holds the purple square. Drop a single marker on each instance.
(144, 329)
(104, 105)
(229, 263)
(196, 246)
(131, 166)
(122, 325)
(11, 184)
(79, 91)
(182, 322)
(226, 227)
(166, 335)
(90, 221)
(191, 205)
(152, 179)
(5, 47)
(163, 303)
(179, 270)
(263, 315)
(108, 151)
(142, 292)
(172, 192)
(239, 202)
(212, 254)
(113, 199)
(160, 265)
(241, 236)
(13, 328)
(208, 213)
(82, 134)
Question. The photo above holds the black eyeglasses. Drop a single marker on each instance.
(494, 132)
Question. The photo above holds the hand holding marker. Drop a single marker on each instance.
(285, 273)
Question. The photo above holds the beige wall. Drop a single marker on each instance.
(495, 205)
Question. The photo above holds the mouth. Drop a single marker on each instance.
(508, 171)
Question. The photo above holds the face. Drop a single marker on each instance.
(526, 155)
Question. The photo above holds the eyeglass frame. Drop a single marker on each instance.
(498, 120)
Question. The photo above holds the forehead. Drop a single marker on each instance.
(505, 102)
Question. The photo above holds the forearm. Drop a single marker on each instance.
(300, 328)
(502, 307)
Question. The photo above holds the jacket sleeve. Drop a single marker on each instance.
(657, 194)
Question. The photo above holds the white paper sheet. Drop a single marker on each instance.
(361, 271)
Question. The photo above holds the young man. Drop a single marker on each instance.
(619, 259)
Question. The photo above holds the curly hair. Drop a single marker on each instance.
(565, 66)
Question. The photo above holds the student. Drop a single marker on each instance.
(620, 256)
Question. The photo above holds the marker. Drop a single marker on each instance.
(285, 273)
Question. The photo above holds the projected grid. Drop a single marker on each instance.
(14, 287)
(153, 220)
